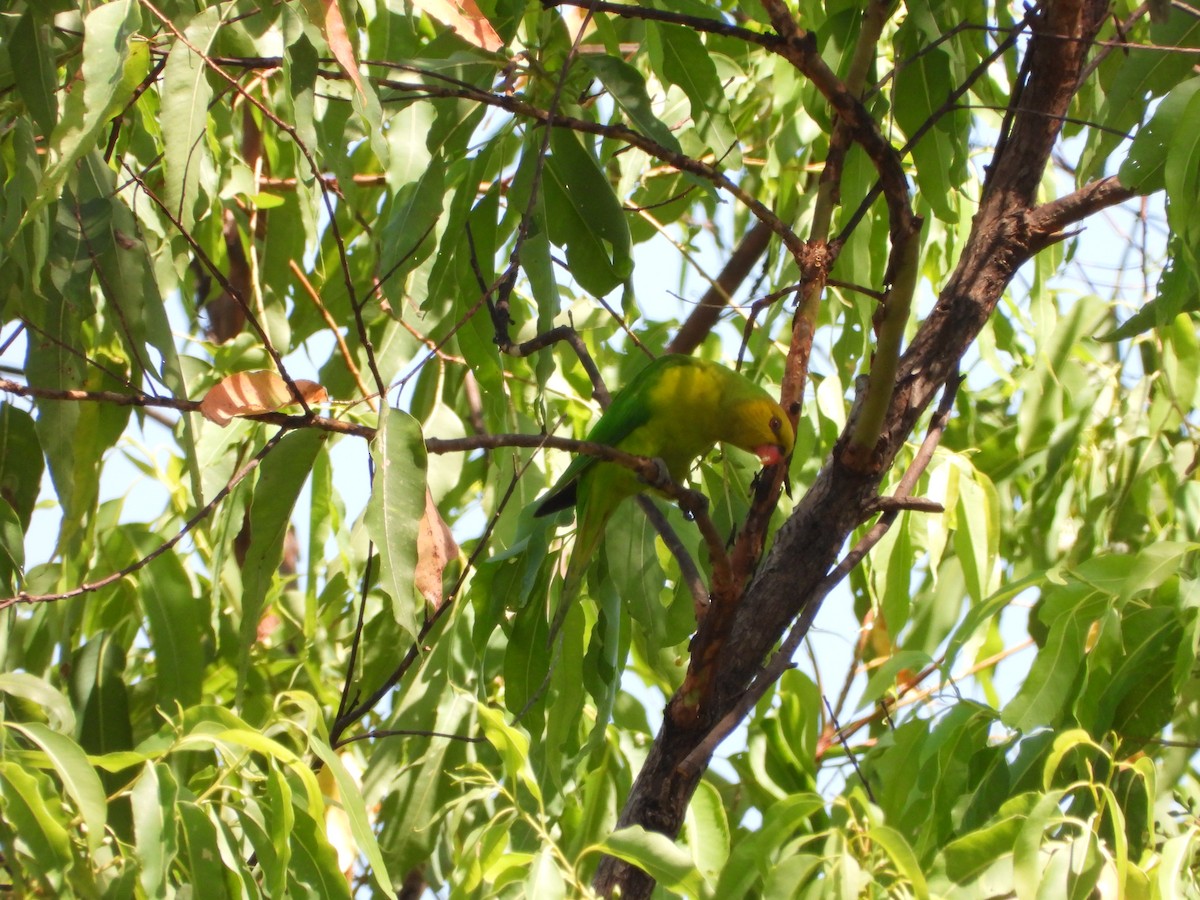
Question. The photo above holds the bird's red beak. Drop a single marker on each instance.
(769, 454)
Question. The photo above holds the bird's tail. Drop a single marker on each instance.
(583, 551)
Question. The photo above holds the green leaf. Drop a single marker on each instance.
(513, 746)
(314, 870)
(107, 31)
(34, 68)
(281, 819)
(584, 215)
(282, 477)
(751, 858)
(186, 96)
(198, 843)
(407, 132)
(977, 535)
(99, 694)
(154, 826)
(42, 835)
(666, 862)
(1143, 168)
(57, 708)
(901, 854)
(1153, 565)
(545, 879)
(628, 88)
(1051, 681)
(680, 57)
(707, 832)
(1181, 175)
(415, 209)
(21, 463)
(1143, 74)
(78, 777)
(395, 508)
(923, 83)
(173, 617)
(355, 807)
(975, 855)
(12, 549)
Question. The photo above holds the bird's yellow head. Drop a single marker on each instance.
(760, 426)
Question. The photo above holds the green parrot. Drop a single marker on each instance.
(675, 409)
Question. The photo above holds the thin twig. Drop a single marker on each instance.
(849, 753)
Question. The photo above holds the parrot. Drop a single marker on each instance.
(674, 410)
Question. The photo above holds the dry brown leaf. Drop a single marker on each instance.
(465, 18)
(247, 393)
(435, 548)
(226, 316)
(339, 43)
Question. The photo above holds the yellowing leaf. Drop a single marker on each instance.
(465, 18)
(435, 547)
(248, 393)
(339, 43)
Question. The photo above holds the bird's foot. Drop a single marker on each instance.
(661, 475)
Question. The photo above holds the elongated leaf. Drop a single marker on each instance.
(923, 83)
(669, 865)
(1143, 167)
(186, 98)
(33, 67)
(173, 615)
(707, 832)
(70, 763)
(198, 840)
(394, 510)
(1051, 680)
(281, 818)
(154, 825)
(57, 708)
(584, 215)
(282, 477)
(107, 31)
(1181, 174)
(1144, 73)
(680, 57)
(628, 88)
(45, 838)
(21, 461)
(12, 549)
(314, 862)
(902, 856)
(356, 809)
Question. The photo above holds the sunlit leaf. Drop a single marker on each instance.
(248, 393)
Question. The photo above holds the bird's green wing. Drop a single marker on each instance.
(629, 410)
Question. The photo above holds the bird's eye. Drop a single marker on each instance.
(775, 424)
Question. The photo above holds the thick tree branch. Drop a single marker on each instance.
(702, 319)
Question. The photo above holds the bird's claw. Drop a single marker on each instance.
(662, 475)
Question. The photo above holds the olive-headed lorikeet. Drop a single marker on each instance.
(675, 409)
